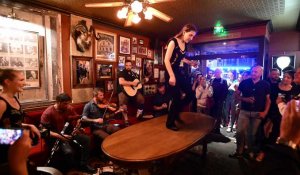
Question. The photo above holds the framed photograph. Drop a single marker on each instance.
(109, 86)
(106, 45)
(132, 57)
(134, 40)
(150, 89)
(150, 54)
(142, 50)
(138, 62)
(141, 42)
(104, 71)
(19, 50)
(121, 61)
(158, 59)
(156, 73)
(124, 45)
(81, 33)
(82, 72)
(162, 76)
(134, 49)
(137, 71)
(148, 72)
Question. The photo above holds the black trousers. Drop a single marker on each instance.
(71, 151)
(177, 102)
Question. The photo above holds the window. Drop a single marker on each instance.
(37, 35)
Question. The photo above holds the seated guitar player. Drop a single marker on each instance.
(128, 89)
(94, 112)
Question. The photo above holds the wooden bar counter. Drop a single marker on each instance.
(147, 141)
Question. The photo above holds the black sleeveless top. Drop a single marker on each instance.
(11, 118)
(177, 56)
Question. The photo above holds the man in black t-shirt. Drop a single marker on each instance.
(127, 78)
(161, 101)
(254, 95)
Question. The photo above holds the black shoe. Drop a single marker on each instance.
(88, 169)
(236, 155)
(180, 121)
(174, 128)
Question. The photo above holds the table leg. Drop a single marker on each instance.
(143, 172)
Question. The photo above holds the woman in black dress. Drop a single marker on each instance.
(11, 113)
(176, 78)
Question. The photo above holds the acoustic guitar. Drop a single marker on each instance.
(132, 90)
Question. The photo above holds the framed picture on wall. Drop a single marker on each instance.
(104, 71)
(138, 62)
(121, 61)
(150, 54)
(142, 50)
(19, 49)
(134, 50)
(82, 72)
(124, 45)
(148, 70)
(106, 44)
(109, 86)
(134, 40)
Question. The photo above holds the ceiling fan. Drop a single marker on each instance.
(131, 9)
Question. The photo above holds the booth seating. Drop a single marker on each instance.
(40, 152)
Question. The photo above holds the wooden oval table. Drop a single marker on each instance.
(142, 143)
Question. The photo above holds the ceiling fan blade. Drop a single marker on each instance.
(159, 1)
(105, 4)
(160, 14)
(128, 21)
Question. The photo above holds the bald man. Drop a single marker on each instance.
(254, 94)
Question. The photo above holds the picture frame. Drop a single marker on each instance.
(148, 70)
(138, 62)
(105, 46)
(104, 71)
(134, 40)
(19, 49)
(134, 49)
(109, 85)
(162, 76)
(150, 89)
(81, 36)
(82, 74)
(124, 45)
(142, 50)
(121, 61)
(150, 54)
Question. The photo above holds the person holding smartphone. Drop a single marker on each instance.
(11, 113)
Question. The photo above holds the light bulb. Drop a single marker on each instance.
(148, 14)
(283, 62)
(122, 14)
(136, 18)
(136, 6)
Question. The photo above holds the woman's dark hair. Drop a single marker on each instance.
(186, 28)
(63, 97)
(7, 74)
(290, 73)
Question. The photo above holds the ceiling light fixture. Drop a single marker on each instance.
(135, 8)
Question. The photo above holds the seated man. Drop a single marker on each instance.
(55, 118)
(93, 112)
(161, 101)
(128, 84)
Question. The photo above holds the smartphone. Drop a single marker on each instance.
(9, 136)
